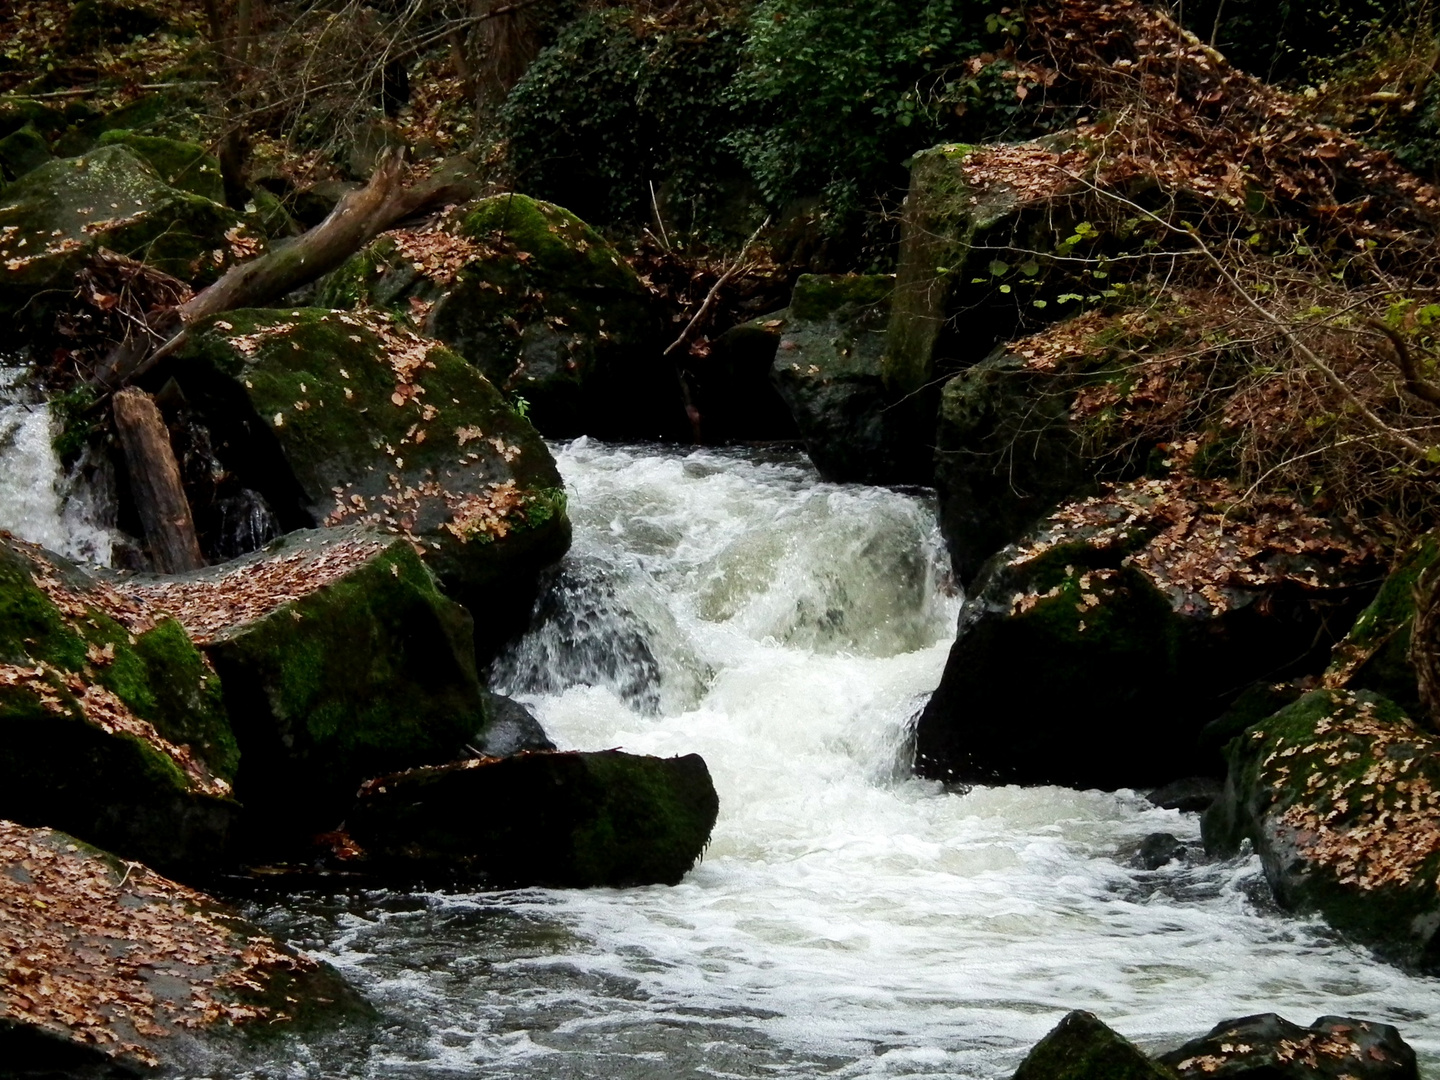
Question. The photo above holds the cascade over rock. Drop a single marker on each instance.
(828, 369)
(556, 819)
(1339, 794)
(540, 303)
(1094, 652)
(112, 969)
(340, 418)
(341, 659)
(111, 721)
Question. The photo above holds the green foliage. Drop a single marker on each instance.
(836, 95)
(615, 105)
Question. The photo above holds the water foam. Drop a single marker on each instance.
(847, 919)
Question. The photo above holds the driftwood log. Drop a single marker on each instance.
(155, 483)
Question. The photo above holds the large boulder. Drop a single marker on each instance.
(1339, 794)
(955, 296)
(1269, 1047)
(1094, 652)
(828, 369)
(340, 418)
(1083, 1047)
(55, 216)
(540, 303)
(184, 165)
(107, 968)
(111, 721)
(556, 819)
(731, 386)
(341, 661)
(1375, 654)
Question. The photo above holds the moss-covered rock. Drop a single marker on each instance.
(1340, 795)
(731, 386)
(340, 418)
(965, 206)
(111, 721)
(557, 819)
(1269, 1047)
(52, 218)
(342, 661)
(111, 969)
(537, 301)
(1082, 1047)
(828, 371)
(1005, 453)
(1094, 652)
(1375, 654)
(183, 165)
(22, 151)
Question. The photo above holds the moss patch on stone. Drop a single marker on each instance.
(1340, 794)
(1082, 1047)
(183, 165)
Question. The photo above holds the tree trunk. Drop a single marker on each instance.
(155, 483)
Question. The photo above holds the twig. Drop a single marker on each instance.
(709, 301)
(1423, 390)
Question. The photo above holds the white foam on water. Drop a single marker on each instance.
(38, 502)
(847, 918)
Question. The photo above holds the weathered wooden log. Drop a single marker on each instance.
(155, 483)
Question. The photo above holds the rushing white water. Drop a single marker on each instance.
(847, 919)
(38, 502)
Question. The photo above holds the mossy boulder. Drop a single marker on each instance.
(731, 386)
(1083, 1047)
(1269, 1047)
(183, 165)
(341, 418)
(957, 294)
(1340, 793)
(556, 819)
(53, 217)
(1375, 654)
(342, 661)
(1094, 652)
(540, 303)
(112, 724)
(828, 371)
(1005, 454)
(22, 151)
(112, 969)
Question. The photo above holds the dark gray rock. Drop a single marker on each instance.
(512, 729)
(1081, 1047)
(1193, 794)
(1268, 1047)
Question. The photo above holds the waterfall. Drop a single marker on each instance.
(39, 502)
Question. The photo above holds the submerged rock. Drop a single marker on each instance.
(1340, 795)
(55, 216)
(1094, 652)
(111, 968)
(113, 722)
(1082, 1047)
(341, 661)
(1268, 1047)
(829, 372)
(540, 303)
(340, 418)
(557, 819)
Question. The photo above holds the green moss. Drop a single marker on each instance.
(188, 701)
(21, 151)
(1082, 1048)
(824, 296)
(182, 165)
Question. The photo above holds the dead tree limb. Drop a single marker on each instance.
(1425, 644)
(1425, 391)
(356, 220)
(155, 483)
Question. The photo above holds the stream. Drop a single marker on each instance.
(847, 920)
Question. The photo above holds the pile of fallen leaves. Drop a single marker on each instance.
(1196, 542)
(114, 955)
(209, 606)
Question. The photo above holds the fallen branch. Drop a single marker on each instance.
(155, 483)
(1423, 390)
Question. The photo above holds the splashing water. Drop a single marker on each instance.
(38, 502)
(847, 919)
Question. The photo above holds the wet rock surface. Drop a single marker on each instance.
(1094, 652)
(557, 819)
(107, 968)
(1340, 795)
(114, 724)
(342, 660)
(342, 418)
(1082, 1047)
(1268, 1046)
